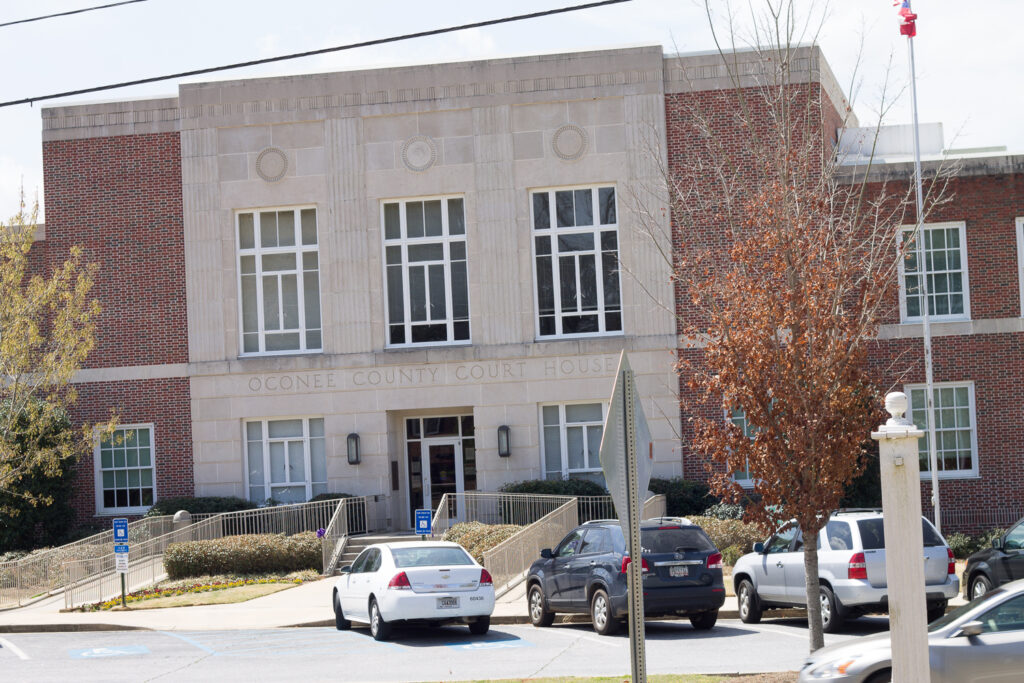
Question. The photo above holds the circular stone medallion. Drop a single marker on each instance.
(271, 164)
(569, 142)
(419, 153)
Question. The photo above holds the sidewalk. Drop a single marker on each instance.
(305, 605)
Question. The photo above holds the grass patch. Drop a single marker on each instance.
(214, 597)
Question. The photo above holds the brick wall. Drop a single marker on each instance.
(119, 198)
(166, 404)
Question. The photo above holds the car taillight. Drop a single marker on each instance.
(485, 578)
(644, 567)
(715, 561)
(400, 581)
(858, 567)
(951, 568)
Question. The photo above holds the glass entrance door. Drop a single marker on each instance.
(442, 469)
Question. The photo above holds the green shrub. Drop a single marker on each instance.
(724, 511)
(865, 491)
(330, 496)
(682, 497)
(556, 487)
(731, 554)
(252, 554)
(963, 545)
(725, 533)
(477, 537)
(169, 506)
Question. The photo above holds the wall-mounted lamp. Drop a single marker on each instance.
(353, 449)
(504, 441)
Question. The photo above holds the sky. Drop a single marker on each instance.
(969, 63)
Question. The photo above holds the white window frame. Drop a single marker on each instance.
(404, 242)
(101, 509)
(966, 315)
(258, 251)
(551, 233)
(1020, 261)
(268, 485)
(946, 474)
(747, 482)
(562, 428)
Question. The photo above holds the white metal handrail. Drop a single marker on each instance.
(507, 561)
(352, 516)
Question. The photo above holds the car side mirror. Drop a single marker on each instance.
(346, 570)
(759, 548)
(972, 628)
(997, 543)
(546, 553)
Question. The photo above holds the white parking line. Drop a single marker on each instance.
(13, 648)
(768, 629)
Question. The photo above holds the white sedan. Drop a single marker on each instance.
(417, 581)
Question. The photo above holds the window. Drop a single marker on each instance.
(955, 433)
(739, 418)
(596, 541)
(125, 471)
(1020, 262)
(945, 247)
(278, 281)
(569, 545)
(572, 440)
(287, 459)
(839, 536)
(576, 251)
(1008, 616)
(425, 271)
(780, 542)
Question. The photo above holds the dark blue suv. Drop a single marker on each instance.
(586, 573)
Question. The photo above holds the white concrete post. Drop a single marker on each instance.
(904, 544)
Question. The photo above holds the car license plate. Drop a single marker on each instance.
(678, 570)
(447, 603)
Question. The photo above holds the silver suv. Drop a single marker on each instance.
(851, 565)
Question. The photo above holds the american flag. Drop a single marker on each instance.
(908, 27)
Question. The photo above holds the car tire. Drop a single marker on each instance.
(883, 676)
(340, 622)
(750, 606)
(705, 621)
(601, 614)
(379, 629)
(979, 586)
(480, 626)
(936, 611)
(539, 614)
(831, 620)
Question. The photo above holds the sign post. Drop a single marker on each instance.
(423, 523)
(626, 459)
(121, 552)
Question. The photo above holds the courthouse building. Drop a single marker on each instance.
(400, 282)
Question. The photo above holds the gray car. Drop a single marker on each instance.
(980, 641)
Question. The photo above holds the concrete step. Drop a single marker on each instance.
(356, 545)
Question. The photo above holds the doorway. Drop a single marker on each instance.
(440, 459)
(442, 469)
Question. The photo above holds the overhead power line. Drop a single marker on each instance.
(69, 12)
(310, 53)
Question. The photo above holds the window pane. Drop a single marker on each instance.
(541, 211)
(414, 219)
(273, 262)
(440, 426)
(308, 226)
(318, 460)
(457, 251)
(552, 450)
(268, 229)
(246, 234)
(296, 461)
(147, 476)
(254, 431)
(143, 433)
(417, 293)
(550, 415)
(545, 286)
(288, 494)
(250, 313)
(587, 412)
(132, 457)
(580, 324)
(567, 280)
(286, 229)
(278, 468)
(437, 293)
(432, 217)
(119, 457)
(564, 209)
(426, 252)
(610, 275)
(106, 459)
(290, 297)
(392, 222)
(583, 242)
(588, 282)
(310, 260)
(606, 200)
(460, 291)
(255, 450)
(584, 207)
(412, 428)
(574, 448)
(133, 478)
(393, 256)
(422, 334)
(395, 305)
(278, 429)
(271, 313)
(316, 426)
(311, 299)
(456, 217)
(594, 447)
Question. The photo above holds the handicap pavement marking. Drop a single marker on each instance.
(103, 652)
(491, 645)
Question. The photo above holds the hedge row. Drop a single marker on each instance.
(204, 504)
(477, 537)
(556, 487)
(731, 536)
(964, 545)
(252, 554)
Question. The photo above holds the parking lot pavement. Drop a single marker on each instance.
(446, 653)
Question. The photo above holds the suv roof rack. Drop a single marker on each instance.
(670, 520)
(601, 521)
(850, 510)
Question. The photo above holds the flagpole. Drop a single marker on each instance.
(923, 289)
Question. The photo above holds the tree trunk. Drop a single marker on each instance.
(813, 589)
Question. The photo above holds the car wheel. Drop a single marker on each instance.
(704, 621)
(539, 614)
(979, 586)
(601, 614)
(379, 629)
(831, 621)
(340, 622)
(884, 676)
(750, 608)
(936, 611)
(480, 626)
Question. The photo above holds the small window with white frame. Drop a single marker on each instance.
(956, 435)
(576, 261)
(125, 463)
(944, 272)
(1020, 262)
(571, 440)
(425, 271)
(286, 459)
(278, 281)
(739, 418)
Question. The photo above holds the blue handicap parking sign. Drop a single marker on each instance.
(120, 530)
(423, 521)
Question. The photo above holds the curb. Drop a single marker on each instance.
(67, 628)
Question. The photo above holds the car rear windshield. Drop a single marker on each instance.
(872, 534)
(430, 557)
(674, 540)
